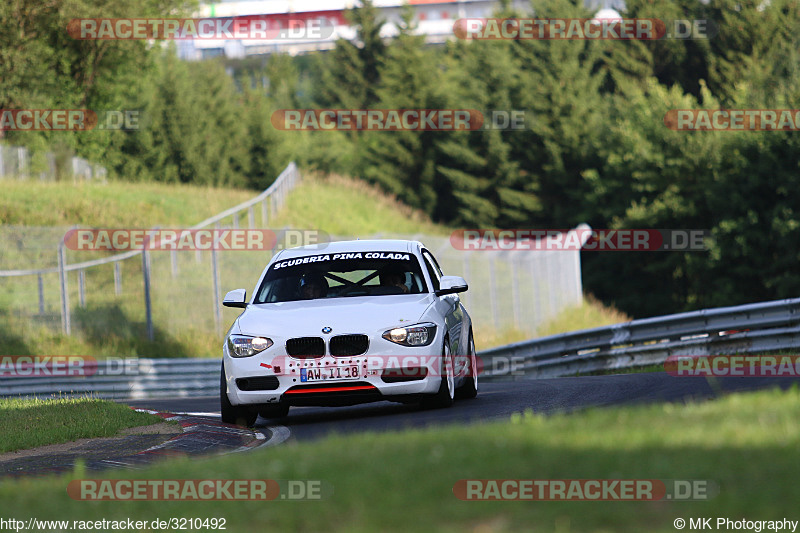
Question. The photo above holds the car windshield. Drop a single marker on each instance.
(341, 275)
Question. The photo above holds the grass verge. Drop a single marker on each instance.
(113, 205)
(349, 207)
(28, 423)
(112, 324)
(590, 314)
(403, 481)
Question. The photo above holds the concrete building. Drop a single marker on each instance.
(302, 26)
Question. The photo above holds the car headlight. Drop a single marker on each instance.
(419, 335)
(241, 346)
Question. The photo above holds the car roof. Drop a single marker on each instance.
(367, 245)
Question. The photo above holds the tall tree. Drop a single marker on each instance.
(403, 162)
(481, 184)
(350, 74)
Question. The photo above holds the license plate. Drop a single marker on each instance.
(329, 373)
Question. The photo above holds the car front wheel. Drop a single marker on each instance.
(470, 387)
(233, 414)
(444, 397)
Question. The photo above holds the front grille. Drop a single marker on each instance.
(346, 345)
(305, 347)
(258, 383)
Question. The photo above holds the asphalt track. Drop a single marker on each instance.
(497, 400)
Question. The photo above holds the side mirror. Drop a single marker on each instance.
(451, 285)
(236, 298)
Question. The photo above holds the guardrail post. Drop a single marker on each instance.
(215, 284)
(492, 293)
(41, 294)
(82, 287)
(236, 221)
(576, 278)
(264, 216)
(66, 326)
(147, 308)
(251, 218)
(117, 279)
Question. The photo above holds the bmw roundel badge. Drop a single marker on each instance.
(327, 329)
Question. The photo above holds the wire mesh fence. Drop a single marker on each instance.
(17, 162)
(175, 293)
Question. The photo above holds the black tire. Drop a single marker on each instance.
(233, 414)
(470, 387)
(444, 396)
(276, 410)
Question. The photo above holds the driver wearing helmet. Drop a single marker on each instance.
(394, 277)
(313, 286)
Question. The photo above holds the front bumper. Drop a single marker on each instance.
(272, 376)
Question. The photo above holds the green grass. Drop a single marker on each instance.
(747, 444)
(112, 205)
(114, 325)
(590, 314)
(348, 207)
(27, 424)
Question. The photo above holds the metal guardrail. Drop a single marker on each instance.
(752, 328)
(129, 379)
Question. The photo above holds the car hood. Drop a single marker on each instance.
(358, 314)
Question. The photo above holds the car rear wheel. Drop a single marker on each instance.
(470, 387)
(233, 414)
(444, 397)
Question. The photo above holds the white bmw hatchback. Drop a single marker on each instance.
(344, 323)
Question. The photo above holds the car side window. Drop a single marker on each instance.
(434, 271)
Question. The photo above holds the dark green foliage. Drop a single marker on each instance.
(594, 148)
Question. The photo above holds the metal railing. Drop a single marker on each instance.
(752, 328)
(270, 200)
(508, 289)
(154, 378)
(17, 162)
